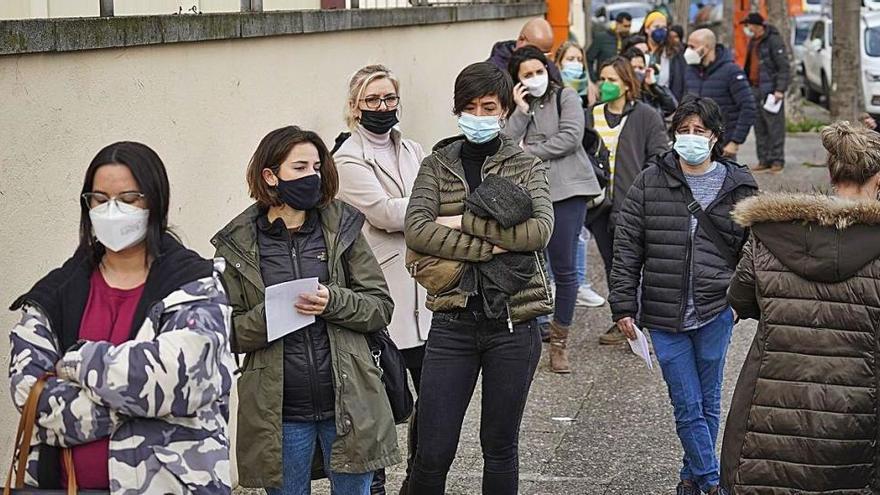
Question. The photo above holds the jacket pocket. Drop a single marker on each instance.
(436, 275)
(389, 259)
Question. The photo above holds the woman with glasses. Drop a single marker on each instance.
(318, 383)
(377, 168)
(130, 336)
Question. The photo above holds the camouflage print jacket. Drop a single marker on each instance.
(162, 398)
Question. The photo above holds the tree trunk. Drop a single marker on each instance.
(588, 24)
(680, 16)
(777, 15)
(846, 63)
(725, 31)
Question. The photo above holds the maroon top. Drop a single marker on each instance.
(108, 317)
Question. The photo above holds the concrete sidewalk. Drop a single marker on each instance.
(620, 438)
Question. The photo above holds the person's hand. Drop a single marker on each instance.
(869, 122)
(627, 327)
(778, 95)
(453, 222)
(650, 79)
(498, 250)
(592, 93)
(731, 149)
(519, 97)
(314, 304)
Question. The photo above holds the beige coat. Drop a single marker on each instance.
(382, 194)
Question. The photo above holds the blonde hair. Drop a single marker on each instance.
(563, 49)
(357, 86)
(853, 152)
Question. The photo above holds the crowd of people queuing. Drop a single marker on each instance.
(469, 255)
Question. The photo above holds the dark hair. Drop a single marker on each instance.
(525, 54)
(708, 111)
(634, 40)
(632, 52)
(482, 79)
(152, 180)
(271, 153)
(677, 29)
(623, 16)
(627, 75)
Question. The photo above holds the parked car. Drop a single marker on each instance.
(817, 60)
(799, 35)
(606, 12)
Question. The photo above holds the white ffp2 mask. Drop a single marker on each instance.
(119, 225)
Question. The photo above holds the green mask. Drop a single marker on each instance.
(608, 91)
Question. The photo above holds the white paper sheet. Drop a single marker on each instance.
(282, 317)
(640, 348)
(772, 105)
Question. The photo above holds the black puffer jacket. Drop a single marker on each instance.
(308, 376)
(774, 71)
(653, 245)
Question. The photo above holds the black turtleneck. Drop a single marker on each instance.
(473, 156)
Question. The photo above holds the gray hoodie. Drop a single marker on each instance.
(555, 137)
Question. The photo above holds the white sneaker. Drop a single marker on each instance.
(587, 297)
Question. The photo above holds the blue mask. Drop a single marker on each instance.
(572, 70)
(692, 148)
(659, 35)
(479, 130)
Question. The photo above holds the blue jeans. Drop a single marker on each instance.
(693, 366)
(562, 251)
(298, 447)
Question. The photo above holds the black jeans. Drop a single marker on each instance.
(599, 224)
(568, 217)
(460, 345)
(413, 358)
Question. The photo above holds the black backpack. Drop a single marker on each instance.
(596, 150)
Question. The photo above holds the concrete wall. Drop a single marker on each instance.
(203, 107)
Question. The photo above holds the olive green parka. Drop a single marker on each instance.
(366, 437)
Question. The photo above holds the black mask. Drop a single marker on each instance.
(300, 194)
(378, 122)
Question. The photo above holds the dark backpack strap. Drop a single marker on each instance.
(559, 102)
(705, 221)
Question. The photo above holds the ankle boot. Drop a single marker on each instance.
(558, 354)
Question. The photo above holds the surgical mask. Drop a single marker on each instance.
(479, 130)
(692, 57)
(378, 122)
(572, 70)
(119, 225)
(692, 148)
(608, 91)
(300, 194)
(537, 85)
(659, 35)
(748, 31)
(640, 75)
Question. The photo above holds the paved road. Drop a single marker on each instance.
(621, 438)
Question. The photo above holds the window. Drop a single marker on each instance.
(818, 32)
(872, 41)
(802, 31)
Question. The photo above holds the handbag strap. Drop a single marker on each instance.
(23, 437)
(705, 221)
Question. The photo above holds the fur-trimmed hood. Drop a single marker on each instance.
(821, 238)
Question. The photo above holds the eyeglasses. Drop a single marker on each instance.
(374, 102)
(95, 199)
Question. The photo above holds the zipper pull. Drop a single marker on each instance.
(509, 318)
